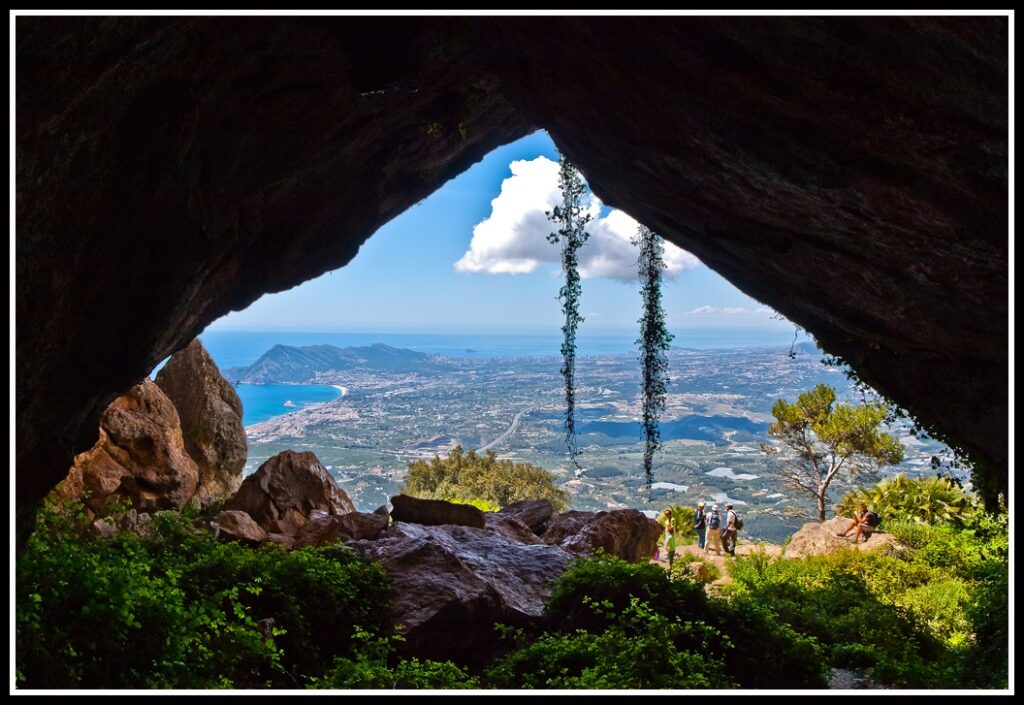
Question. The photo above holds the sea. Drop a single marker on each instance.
(232, 348)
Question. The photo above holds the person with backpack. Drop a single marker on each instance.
(700, 525)
(668, 540)
(730, 530)
(714, 528)
(865, 522)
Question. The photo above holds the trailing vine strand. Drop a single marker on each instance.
(571, 219)
(654, 342)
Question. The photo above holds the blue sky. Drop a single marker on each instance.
(405, 277)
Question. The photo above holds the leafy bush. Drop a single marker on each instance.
(928, 500)
(369, 668)
(584, 615)
(470, 476)
(639, 648)
(182, 610)
(689, 567)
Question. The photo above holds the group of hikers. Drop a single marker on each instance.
(719, 532)
(713, 530)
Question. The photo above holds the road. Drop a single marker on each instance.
(511, 429)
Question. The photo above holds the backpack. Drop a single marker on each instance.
(739, 522)
(873, 519)
(714, 521)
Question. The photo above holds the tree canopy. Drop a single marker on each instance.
(823, 440)
(472, 476)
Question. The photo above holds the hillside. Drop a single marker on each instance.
(295, 365)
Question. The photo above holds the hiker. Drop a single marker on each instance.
(865, 521)
(729, 531)
(700, 525)
(714, 522)
(668, 538)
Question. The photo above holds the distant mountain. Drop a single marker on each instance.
(290, 364)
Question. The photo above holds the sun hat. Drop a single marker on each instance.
(700, 504)
(714, 507)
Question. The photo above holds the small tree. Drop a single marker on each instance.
(822, 439)
(571, 219)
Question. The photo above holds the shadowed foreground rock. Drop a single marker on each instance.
(211, 421)
(452, 583)
(625, 533)
(434, 512)
(814, 539)
(140, 456)
(284, 491)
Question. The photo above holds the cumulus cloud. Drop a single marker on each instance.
(513, 239)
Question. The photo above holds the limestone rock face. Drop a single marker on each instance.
(140, 456)
(625, 533)
(238, 526)
(535, 513)
(434, 512)
(452, 583)
(285, 490)
(211, 420)
(814, 539)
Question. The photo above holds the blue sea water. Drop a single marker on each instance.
(265, 401)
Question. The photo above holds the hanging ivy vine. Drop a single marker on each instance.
(654, 342)
(571, 220)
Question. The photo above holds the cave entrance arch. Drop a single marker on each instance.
(850, 172)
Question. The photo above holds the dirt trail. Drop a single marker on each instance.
(720, 562)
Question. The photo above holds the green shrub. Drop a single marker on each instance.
(932, 500)
(183, 610)
(639, 649)
(369, 668)
(471, 476)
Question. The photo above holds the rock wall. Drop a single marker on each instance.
(850, 172)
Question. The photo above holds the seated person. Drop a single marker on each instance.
(862, 521)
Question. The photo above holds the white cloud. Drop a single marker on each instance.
(513, 239)
(715, 311)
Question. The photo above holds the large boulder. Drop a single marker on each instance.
(323, 528)
(814, 539)
(625, 533)
(140, 456)
(434, 512)
(535, 513)
(211, 420)
(453, 583)
(238, 526)
(286, 489)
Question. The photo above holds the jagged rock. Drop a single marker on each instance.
(382, 509)
(844, 679)
(211, 421)
(510, 527)
(323, 528)
(434, 512)
(452, 583)
(285, 490)
(815, 538)
(625, 533)
(140, 456)
(236, 525)
(535, 513)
